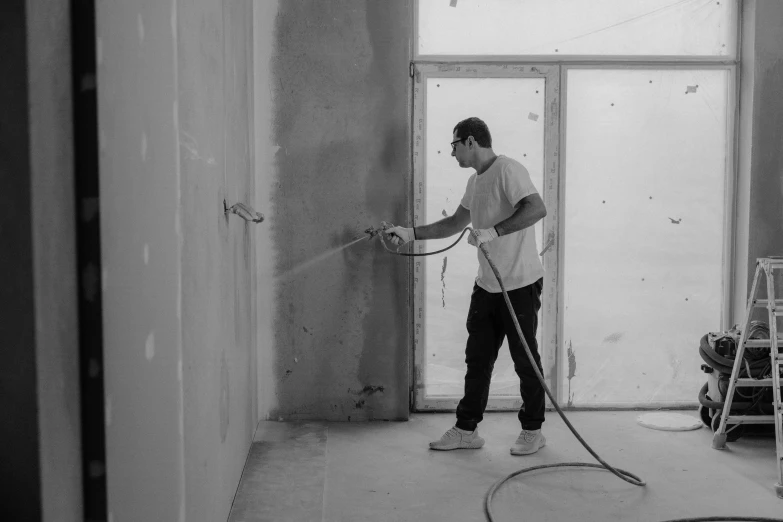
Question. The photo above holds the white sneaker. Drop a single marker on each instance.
(529, 441)
(456, 438)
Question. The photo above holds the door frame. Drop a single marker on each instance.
(551, 194)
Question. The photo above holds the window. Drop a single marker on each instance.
(633, 158)
(646, 165)
(522, 28)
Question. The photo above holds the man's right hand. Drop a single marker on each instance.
(400, 235)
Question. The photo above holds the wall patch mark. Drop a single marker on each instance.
(368, 390)
(443, 281)
(571, 372)
(225, 398)
(149, 346)
(140, 23)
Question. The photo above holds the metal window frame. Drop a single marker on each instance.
(728, 225)
(730, 59)
(563, 64)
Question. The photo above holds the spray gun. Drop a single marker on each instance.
(376, 231)
(373, 231)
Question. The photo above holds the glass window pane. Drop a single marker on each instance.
(570, 27)
(644, 209)
(513, 109)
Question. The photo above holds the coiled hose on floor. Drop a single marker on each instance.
(624, 475)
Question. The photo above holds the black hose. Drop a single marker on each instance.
(622, 474)
(729, 518)
(717, 405)
(726, 365)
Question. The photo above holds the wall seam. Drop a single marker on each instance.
(180, 236)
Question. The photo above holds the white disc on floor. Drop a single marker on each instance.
(669, 421)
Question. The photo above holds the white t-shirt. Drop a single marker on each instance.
(491, 198)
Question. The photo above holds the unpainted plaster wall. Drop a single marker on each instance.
(175, 132)
(760, 177)
(341, 135)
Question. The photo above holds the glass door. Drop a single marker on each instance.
(520, 105)
(646, 179)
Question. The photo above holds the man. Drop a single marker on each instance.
(503, 205)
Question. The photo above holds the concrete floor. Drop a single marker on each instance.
(384, 471)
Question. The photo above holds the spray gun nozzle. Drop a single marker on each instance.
(374, 231)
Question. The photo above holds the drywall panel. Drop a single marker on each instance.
(54, 260)
(40, 462)
(215, 73)
(140, 244)
(176, 118)
(341, 135)
(264, 19)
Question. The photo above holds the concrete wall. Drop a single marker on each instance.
(341, 139)
(40, 459)
(760, 177)
(332, 332)
(175, 128)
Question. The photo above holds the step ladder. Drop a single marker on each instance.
(767, 266)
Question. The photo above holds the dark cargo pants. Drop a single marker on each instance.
(488, 324)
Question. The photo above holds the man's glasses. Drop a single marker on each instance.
(454, 144)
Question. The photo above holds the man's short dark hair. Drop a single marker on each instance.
(476, 128)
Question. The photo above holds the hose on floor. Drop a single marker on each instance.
(622, 474)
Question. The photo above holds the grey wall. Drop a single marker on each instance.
(264, 19)
(18, 394)
(215, 78)
(760, 177)
(341, 135)
(139, 207)
(54, 265)
(175, 128)
(766, 193)
(40, 463)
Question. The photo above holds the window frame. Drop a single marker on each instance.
(729, 213)
(552, 322)
(573, 58)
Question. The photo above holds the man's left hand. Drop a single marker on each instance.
(482, 235)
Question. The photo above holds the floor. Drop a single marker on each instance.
(384, 471)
